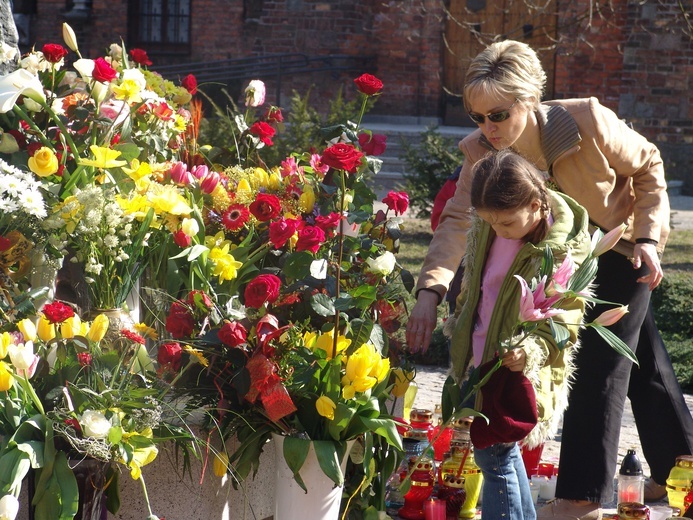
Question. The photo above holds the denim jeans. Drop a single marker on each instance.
(506, 494)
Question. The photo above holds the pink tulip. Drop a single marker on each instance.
(209, 183)
(200, 171)
(608, 241)
(180, 174)
(531, 311)
(611, 316)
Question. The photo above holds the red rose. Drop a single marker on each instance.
(199, 298)
(33, 148)
(57, 312)
(140, 57)
(189, 83)
(74, 423)
(181, 239)
(310, 238)
(235, 217)
(232, 334)
(264, 131)
(374, 144)
(280, 231)
(103, 71)
(264, 288)
(169, 356)
(368, 84)
(84, 359)
(54, 52)
(342, 156)
(398, 201)
(265, 207)
(274, 115)
(180, 322)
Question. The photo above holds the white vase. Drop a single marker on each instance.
(323, 499)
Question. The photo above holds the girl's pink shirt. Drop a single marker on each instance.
(500, 257)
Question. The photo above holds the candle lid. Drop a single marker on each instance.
(631, 464)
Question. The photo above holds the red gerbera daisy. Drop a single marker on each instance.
(235, 217)
(133, 336)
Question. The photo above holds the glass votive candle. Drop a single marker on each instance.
(545, 468)
(434, 509)
(548, 488)
(534, 490)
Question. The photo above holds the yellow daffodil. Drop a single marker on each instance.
(326, 342)
(6, 377)
(307, 200)
(167, 200)
(220, 466)
(129, 91)
(225, 265)
(45, 330)
(28, 330)
(140, 172)
(70, 210)
(142, 456)
(325, 407)
(44, 162)
(98, 328)
(104, 158)
(218, 241)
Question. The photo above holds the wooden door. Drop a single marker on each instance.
(473, 24)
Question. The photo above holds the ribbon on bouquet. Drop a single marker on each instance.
(266, 384)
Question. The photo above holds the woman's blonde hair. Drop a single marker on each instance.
(508, 68)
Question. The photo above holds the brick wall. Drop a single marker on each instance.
(639, 62)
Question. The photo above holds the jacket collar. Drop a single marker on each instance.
(557, 129)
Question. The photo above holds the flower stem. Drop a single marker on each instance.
(340, 255)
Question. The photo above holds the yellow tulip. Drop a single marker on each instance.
(275, 181)
(325, 407)
(326, 342)
(363, 384)
(44, 162)
(98, 328)
(6, 377)
(28, 329)
(221, 464)
(402, 381)
(381, 369)
(348, 392)
(5, 341)
(307, 200)
(45, 329)
(261, 177)
(71, 327)
(361, 362)
(243, 187)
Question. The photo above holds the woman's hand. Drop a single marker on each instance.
(514, 359)
(648, 253)
(422, 321)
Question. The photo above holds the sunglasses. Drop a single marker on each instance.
(495, 117)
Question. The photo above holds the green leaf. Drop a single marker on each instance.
(322, 304)
(407, 280)
(326, 452)
(546, 263)
(584, 275)
(615, 342)
(57, 495)
(386, 428)
(113, 489)
(295, 453)
(297, 265)
(560, 333)
(360, 332)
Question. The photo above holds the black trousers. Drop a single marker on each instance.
(592, 422)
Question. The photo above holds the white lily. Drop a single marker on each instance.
(9, 507)
(18, 83)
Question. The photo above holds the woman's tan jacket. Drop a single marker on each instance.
(593, 157)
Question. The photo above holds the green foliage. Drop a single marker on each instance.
(428, 167)
(672, 304)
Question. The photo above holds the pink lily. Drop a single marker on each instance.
(529, 311)
(611, 316)
(607, 241)
(559, 280)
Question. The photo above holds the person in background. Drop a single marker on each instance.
(618, 176)
(516, 219)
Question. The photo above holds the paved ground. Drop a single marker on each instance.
(430, 379)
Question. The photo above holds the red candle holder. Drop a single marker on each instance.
(422, 478)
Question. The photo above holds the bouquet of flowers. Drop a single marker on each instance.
(302, 291)
(69, 396)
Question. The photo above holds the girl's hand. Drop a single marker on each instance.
(514, 359)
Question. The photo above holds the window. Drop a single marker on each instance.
(160, 26)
